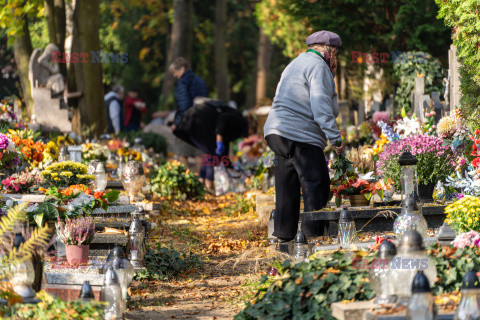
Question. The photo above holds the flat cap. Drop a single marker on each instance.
(324, 37)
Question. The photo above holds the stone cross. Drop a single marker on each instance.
(418, 98)
(454, 79)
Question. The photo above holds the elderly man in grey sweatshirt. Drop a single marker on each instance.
(300, 123)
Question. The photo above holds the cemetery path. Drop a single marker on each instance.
(230, 244)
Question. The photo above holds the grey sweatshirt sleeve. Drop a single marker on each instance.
(323, 101)
(115, 110)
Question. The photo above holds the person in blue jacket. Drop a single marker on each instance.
(187, 88)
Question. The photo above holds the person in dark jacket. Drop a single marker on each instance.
(211, 125)
(188, 87)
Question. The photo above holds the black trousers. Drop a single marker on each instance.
(298, 165)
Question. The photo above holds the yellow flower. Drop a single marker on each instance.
(67, 174)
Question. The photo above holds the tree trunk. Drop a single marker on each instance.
(57, 24)
(177, 45)
(263, 67)
(90, 111)
(22, 48)
(221, 66)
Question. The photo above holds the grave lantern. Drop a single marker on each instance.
(63, 155)
(22, 273)
(301, 247)
(133, 179)
(137, 145)
(469, 305)
(86, 293)
(100, 178)
(137, 241)
(270, 228)
(112, 295)
(410, 258)
(124, 269)
(408, 165)
(378, 273)
(347, 233)
(121, 165)
(410, 219)
(421, 305)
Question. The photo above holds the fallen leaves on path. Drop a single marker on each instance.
(225, 240)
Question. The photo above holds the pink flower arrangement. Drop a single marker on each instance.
(21, 182)
(76, 232)
(435, 160)
(467, 239)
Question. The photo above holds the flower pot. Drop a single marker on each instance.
(425, 192)
(358, 200)
(77, 254)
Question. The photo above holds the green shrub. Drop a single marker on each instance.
(51, 308)
(406, 70)
(174, 181)
(163, 263)
(306, 291)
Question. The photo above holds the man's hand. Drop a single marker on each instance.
(339, 149)
(173, 127)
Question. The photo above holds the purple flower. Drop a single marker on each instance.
(3, 142)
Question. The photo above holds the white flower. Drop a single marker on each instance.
(409, 126)
(11, 146)
(368, 176)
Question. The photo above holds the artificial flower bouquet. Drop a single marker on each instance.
(76, 232)
(8, 118)
(79, 200)
(467, 239)
(9, 157)
(464, 214)
(366, 185)
(91, 151)
(129, 154)
(21, 182)
(64, 174)
(435, 159)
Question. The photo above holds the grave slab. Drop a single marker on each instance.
(350, 311)
(378, 219)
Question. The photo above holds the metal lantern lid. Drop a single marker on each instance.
(18, 240)
(386, 250)
(407, 159)
(409, 204)
(99, 168)
(86, 292)
(63, 151)
(132, 168)
(272, 214)
(470, 280)
(136, 226)
(300, 238)
(345, 216)
(116, 253)
(410, 242)
(111, 277)
(92, 166)
(420, 283)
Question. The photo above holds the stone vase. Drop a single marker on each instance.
(77, 254)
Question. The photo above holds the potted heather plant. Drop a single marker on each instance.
(436, 161)
(76, 234)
